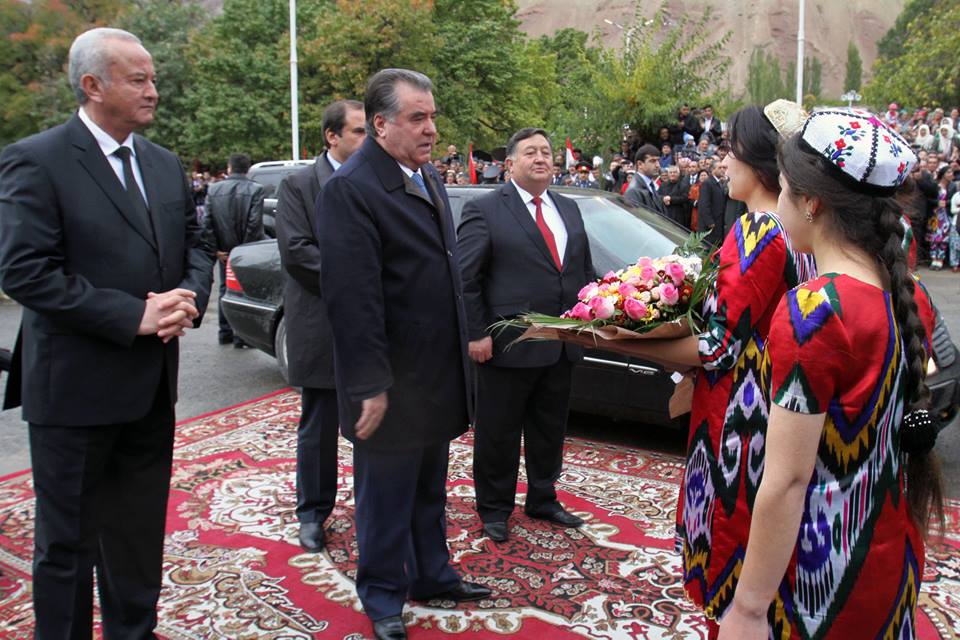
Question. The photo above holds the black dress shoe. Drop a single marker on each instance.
(558, 517)
(389, 629)
(311, 536)
(496, 531)
(239, 344)
(463, 592)
(225, 339)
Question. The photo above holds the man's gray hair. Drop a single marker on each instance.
(381, 95)
(89, 55)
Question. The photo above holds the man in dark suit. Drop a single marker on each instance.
(99, 242)
(522, 248)
(642, 191)
(712, 205)
(309, 341)
(675, 193)
(391, 281)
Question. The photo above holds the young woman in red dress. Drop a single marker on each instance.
(725, 452)
(836, 539)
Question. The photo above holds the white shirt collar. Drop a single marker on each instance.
(527, 197)
(104, 140)
(407, 171)
(333, 161)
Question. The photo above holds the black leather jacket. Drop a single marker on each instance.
(234, 213)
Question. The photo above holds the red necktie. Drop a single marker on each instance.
(547, 234)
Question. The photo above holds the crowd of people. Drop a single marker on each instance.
(809, 484)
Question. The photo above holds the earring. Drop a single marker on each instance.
(809, 216)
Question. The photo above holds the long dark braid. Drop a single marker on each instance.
(812, 175)
(924, 481)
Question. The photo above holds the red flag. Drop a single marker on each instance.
(473, 167)
(304, 155)
(571, 160)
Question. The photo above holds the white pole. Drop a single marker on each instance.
(294, 100)
(800, 56)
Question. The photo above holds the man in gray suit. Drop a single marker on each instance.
(642, 191)
(309, 342)
(99, 242)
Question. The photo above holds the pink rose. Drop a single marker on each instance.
(626, 290)
(675, 271)
(634, 309)
(669, 293)
(644, 262)
(602, 307)
(589, 290)
(648, 273)
(580, 311)
(610, 277)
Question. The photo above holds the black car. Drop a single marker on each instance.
(269, 175)
(604, 383)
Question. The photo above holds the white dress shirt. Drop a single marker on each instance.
(550, 215)
(108, 145)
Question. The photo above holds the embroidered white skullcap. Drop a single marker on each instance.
(861, 146)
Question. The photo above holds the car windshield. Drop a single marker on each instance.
(618, 236)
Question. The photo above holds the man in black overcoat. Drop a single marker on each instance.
(99, 242)
(522, 249)
(391, 281)
(309, 342)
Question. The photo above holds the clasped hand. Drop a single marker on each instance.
(168, 314)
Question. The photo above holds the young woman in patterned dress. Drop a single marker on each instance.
(729, 412)
(836, 540)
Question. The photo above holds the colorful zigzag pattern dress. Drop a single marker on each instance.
(858, 562)
(729, 414)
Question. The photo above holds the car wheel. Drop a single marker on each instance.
(280, 347)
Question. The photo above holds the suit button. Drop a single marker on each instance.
(449, 253)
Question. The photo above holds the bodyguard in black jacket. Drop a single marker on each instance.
(234, 216)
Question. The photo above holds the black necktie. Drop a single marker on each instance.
(133, 189)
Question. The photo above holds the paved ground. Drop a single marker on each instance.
(214, 376)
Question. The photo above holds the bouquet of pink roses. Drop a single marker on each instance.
(652, 298)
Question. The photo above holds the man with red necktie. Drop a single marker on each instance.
(522, 249)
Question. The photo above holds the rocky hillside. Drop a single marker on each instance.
(772, 24)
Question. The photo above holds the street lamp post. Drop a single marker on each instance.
(294, 98)
(851, 97)
(800, 36)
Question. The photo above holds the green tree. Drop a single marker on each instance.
(892, 43)
(485, 92)
(854, 76)
(238, 94)
(35, 38)
(764, 81)
(921, 71)
(812, 76)
(662, 64)
(166, 28)
(347, 42)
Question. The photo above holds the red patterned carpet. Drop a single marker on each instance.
(233, 569)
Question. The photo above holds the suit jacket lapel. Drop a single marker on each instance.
(96, 164)
(150, 182)
(519, 210)
(569, 216)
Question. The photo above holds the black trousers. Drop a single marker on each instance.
(401, 500)
(532, 402)
(317, 436)
(226, 331)
(101, 505)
